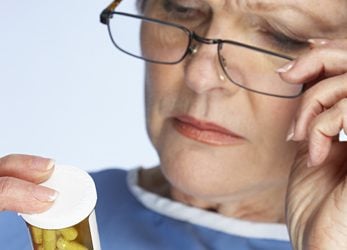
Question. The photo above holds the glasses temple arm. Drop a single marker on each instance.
(104, 16)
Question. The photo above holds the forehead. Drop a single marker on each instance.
(330, 11)
(329, 14)
(310, 4)
(317, 6)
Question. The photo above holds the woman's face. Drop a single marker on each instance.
(215, 139)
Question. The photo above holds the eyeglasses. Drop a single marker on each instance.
(157, 41)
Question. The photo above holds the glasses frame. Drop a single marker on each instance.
(109, 11)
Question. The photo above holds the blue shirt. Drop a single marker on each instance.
(131, 218)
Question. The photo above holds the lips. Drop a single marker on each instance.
(205, 132)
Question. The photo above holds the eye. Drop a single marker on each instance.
(181, 10)
(286, 43)
(277, 36)
(282, 40)
(171, 7)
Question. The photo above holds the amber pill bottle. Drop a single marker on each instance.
(70, 224)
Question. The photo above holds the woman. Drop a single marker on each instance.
(244, 104)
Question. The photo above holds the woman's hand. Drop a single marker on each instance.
(316, 205)
(19, 176)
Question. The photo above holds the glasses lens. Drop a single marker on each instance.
(255, 70)
(148, 39)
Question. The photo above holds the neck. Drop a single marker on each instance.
(262, 205)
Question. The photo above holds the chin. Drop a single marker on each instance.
(209, 172)
(200, 173)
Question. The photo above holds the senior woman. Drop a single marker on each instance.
(244, 104)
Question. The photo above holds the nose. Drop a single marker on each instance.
(203, 72)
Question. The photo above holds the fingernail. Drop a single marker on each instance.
(45, 194)
(286, 67)
(290, 136)
(42, 164)
(318, 41)
(291, 133)
(50, 165)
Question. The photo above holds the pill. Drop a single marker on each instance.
(36, 234)
(69, 233)
(63, 244)
(49, 239)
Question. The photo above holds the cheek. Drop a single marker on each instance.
(162, 88)
(280, 115)
(274, 119)
(274, 115)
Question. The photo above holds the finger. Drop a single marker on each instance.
(31, 168)
(323, 60)
(322, 131)
(24, 197)
(316, 100)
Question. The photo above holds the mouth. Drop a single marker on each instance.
(205, 132)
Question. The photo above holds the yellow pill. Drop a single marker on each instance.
(69, 233)
(63, 244)
(49, 239)
(36, 234)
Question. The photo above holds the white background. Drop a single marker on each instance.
(65, 91)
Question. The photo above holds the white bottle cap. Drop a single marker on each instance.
(75, 201)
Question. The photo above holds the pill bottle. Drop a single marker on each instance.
(70, 224)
